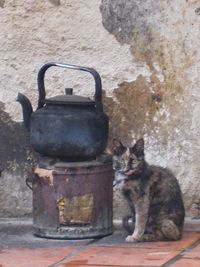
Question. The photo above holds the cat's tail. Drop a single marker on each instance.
(128, 226)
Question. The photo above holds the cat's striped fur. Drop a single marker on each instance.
(153, 195)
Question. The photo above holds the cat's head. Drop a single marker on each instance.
(128, 160)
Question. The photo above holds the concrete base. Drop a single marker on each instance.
(18, 244)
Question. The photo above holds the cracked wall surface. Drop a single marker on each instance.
(147, 53)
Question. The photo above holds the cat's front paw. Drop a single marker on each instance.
(131, 238)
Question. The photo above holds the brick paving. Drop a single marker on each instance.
(19, 248)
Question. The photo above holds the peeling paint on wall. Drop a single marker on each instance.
(161, 107)
(140, 107)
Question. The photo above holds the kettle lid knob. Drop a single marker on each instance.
(68, 91)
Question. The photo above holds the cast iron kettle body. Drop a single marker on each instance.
(68, 125)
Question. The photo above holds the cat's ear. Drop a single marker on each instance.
(117, 147)
(140, 143)
(138, 148)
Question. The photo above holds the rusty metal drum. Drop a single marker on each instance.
(73, 200)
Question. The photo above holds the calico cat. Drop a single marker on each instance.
(153, 195)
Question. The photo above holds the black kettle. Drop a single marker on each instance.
(66, 126)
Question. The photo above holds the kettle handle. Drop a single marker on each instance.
(95, 74)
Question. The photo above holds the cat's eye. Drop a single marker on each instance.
(133, 159)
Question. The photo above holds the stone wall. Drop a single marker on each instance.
(147, 53)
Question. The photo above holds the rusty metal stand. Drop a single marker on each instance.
(73, 200)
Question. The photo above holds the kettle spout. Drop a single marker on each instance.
(26, 109)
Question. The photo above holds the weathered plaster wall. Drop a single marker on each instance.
(147, 53)
(164, 107)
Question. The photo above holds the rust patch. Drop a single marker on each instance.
(75, 210)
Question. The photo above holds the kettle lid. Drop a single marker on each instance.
(69, 100)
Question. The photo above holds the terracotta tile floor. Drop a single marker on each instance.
(32, 257)
(24, 250)
(136, 255)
